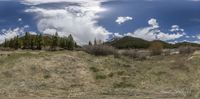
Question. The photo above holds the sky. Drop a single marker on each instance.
(168, 20)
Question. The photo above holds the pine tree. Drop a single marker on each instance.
(71, 43)
(54, 41)
(17, 43)
(63, 42)
(32, 43)
(11, 43)
(90, 43)
(39, 42)
(5, 43)
(26, 41)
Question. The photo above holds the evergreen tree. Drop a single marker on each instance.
(54, 41)
(5, 43)
(63, 42)
(11, 43)
(71, 43)
(39, 42)
(90, 43)
(26, 41)
(17, 43)
(32, 43)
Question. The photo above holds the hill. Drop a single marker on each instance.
(138, 43)
(78, 75)
(129, 42)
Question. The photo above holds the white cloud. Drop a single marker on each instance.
(121, 20)
(37, 2)
(198, 36)
(176, 28)
(79, 19)
(10, 33)
(26, 26)
(152, 32)
(19, 19)
(117, 35)
(187, 36)
(153, 22)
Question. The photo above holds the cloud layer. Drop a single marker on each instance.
(79, 19)
(152, 32)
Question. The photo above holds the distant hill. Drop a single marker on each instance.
(133, 42)
(129, 42)
(187, 44)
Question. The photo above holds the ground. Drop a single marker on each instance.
(78, 75)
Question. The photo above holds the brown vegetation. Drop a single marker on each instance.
(156, 48)
(186, 49)
(100, 50)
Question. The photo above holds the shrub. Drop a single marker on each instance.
(111, 74)
(129, 53)
(94, 69)
(135, 54)
(186, 50)
(100, 50)
(156, 48)
(98, 77)
(123, 85)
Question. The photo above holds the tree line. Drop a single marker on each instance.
(39, 42)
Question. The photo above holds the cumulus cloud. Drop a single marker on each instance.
(79, 19)
(176, 28)
(10, 33)
(153, 22)
(153, 32)
(121, 20)
(117, 35)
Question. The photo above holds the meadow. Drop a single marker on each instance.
(78, 75)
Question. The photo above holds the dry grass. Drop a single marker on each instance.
(100, 50)
(78, 74)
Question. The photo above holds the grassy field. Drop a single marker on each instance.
(78, 75)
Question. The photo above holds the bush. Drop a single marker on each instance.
(100, 50)
(94, 69)
(129, 53)
(123, 85)
(156, 48)
(98, 77)
(186, 50)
